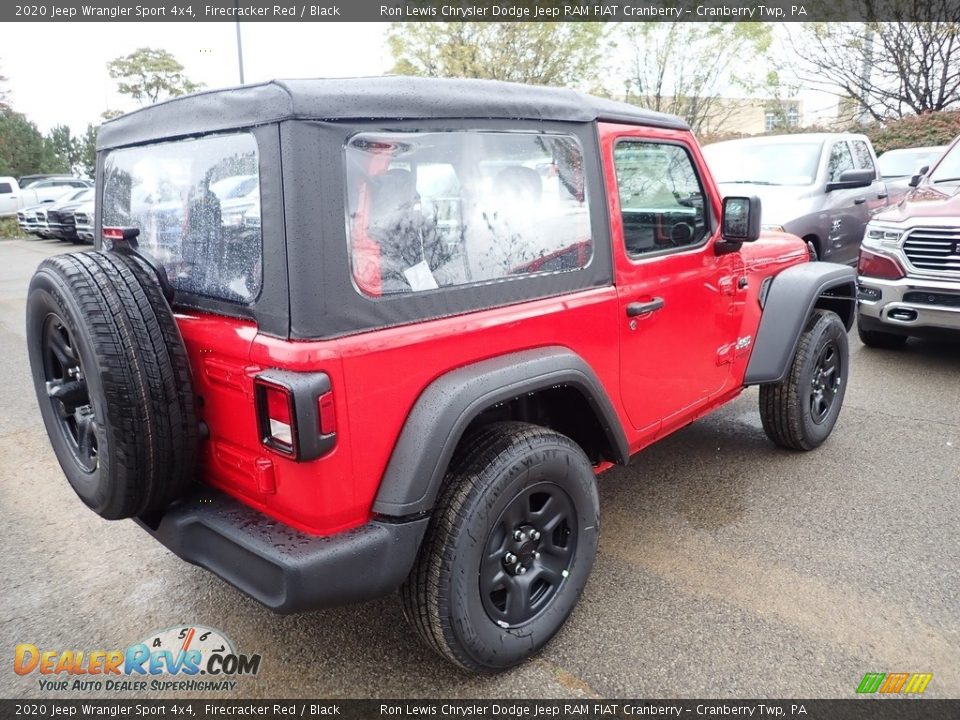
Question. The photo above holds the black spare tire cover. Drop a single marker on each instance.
(113, 382)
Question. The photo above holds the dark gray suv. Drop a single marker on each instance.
(821, 186)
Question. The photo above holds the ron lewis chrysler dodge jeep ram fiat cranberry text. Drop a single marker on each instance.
(342, 337)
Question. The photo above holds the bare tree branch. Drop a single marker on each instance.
(890, 69)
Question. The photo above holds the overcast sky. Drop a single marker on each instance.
(57, 71)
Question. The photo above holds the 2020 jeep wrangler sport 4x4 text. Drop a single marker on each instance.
(341, 337)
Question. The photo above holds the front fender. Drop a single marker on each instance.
(787, 304)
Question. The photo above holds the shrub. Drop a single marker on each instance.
(935, 128)
(9, 228)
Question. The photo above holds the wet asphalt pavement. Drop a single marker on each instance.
(726, 567)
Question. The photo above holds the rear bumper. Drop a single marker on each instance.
(286, 570)
(895, 305)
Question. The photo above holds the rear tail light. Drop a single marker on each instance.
(120, 233)
(879, 266)
(277, 430)
(295, 413)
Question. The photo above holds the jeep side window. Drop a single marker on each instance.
(840, 160)
(661, 198)
(862, 153)
(434, 210)
(208, 245)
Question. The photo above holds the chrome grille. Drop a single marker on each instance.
(934, 249)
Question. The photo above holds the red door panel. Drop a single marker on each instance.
(675, 353)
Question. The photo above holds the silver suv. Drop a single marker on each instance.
(909, 269)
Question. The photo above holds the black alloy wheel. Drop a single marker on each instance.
(826, 381)
(800, 411)
(66, 387)
(509, 547)
(529, 552)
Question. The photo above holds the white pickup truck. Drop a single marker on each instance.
(13, 197)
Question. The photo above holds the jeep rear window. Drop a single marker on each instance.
(441, 209)
(197, 205)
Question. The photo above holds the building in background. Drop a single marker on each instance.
(753, 116)
(730, 117)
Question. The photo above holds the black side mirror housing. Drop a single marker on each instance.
(853, 179)
(740, 222)
(915, 180)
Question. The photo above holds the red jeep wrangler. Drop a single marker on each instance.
(348, 336)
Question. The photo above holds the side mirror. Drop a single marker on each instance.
(915, 180)
(852, 179)
(741, 220)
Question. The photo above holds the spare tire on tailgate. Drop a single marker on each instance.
(113, 381)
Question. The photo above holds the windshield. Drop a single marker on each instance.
(948, 169)
(766, 163)
(26, 182)
(78, 195)
(901, 163)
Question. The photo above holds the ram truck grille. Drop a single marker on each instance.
(934, 250)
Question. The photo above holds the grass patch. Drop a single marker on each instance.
(9, 228)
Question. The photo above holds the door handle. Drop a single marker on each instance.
(635, 309)
(882, 196)
(859, 201)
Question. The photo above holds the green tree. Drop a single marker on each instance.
(150, 74)
(688, 68)
(87, 150)
(62, 147)
(23, 149)
(527, 52)
(3, 92)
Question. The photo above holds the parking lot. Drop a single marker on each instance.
(727, 567)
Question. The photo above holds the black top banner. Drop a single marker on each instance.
(482, 11)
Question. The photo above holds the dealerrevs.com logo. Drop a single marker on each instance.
(188, 658)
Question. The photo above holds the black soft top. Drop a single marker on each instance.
(372, 98)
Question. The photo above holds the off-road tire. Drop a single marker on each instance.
(441, 598)
(879, 339)
(113, 314)
(785, 407)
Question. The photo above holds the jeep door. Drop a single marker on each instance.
(678, 299)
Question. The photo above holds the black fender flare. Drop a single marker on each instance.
(787, 303)
(447, 405)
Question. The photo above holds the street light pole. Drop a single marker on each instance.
(239, 46)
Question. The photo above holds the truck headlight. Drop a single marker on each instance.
(774, 228)
(882, 236)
